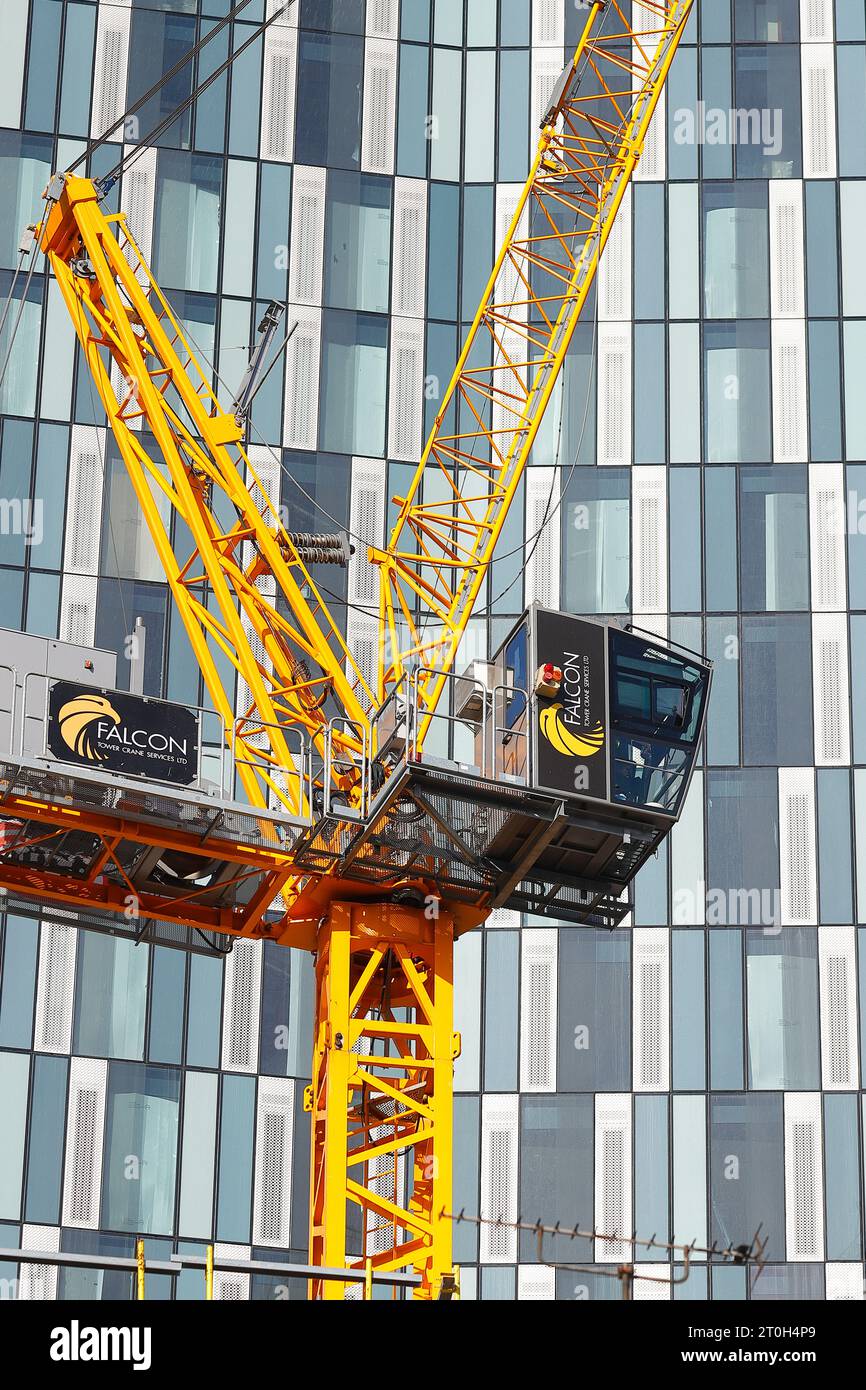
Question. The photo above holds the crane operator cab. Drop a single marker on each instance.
(585, 707)
(550, 776)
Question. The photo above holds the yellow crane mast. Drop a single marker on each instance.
(316, 760)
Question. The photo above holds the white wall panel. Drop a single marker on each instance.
(844, 1281)
(787, 257)
(39, 1282)
(367, 520)
(85, 1128)
(279, 79)
(499, 1120)
(380, 100)
(654, 1285)
(55, 988)
(241, 1002)
(614, 395)
(804, 1201)
(301, 416)
(546, 65)
(110, 62)
(544, 521)
(651, 1008)
(831, 696)
(797, 848)
(827, 537)
(817, 67)
(548, 24)
(538, 1012)
(406, 389)
(613, 1186)
(837, 963)
(383, 19)
(139, 200)
(536, 1283)
(649, 513)
(615, 268)
(84, 500)
(816, 21)
(229, 1287)
(409, 260)
(790, 428)
(653, 162)
(272, 1190)
(308, 235)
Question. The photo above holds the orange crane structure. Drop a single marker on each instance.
(338, 834)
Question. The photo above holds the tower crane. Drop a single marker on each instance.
(564, 766)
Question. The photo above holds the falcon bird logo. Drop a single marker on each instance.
(78, 719)
(564, 741)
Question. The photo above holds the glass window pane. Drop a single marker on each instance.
(111, 997)
(358, 242)
(203, 1025)
(747, 1170)
(736, 251)
(237, 1131)
(775, 653)
(354, 358)
(737, 387)
(14, 1073)
(18, 981)
(501, 975)
(187, 224)
(556, 1152)
(47, 1130)
(156, 43)
(166, 1005)
(594, 1012)
(330, 75)
(687, 1010)
(767, 91)
(141, 1148)
(774, 538)
(596, 552)
(782, 992)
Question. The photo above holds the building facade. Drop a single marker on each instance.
(697, 1074)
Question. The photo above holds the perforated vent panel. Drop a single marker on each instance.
(85, 1125)
(109, 68)
(278, 94)
(797, 845)
(242, 980)
(498, 1244)
(380, 91)
(301, 420)
(651, 969)
(273, 1174)
(613, 1202)
(804, 1206)
(819, 110)
(789, 391)
(839, 1042)
(56, 988)
(538, 1010)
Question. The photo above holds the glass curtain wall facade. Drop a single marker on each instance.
(695, 1074)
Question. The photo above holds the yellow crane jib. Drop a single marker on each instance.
(444, 538)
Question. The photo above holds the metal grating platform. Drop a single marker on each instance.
(490, 844)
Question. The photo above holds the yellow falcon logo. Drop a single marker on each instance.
(77, 720)
(564, 741)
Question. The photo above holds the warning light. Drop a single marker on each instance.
(548, 679)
